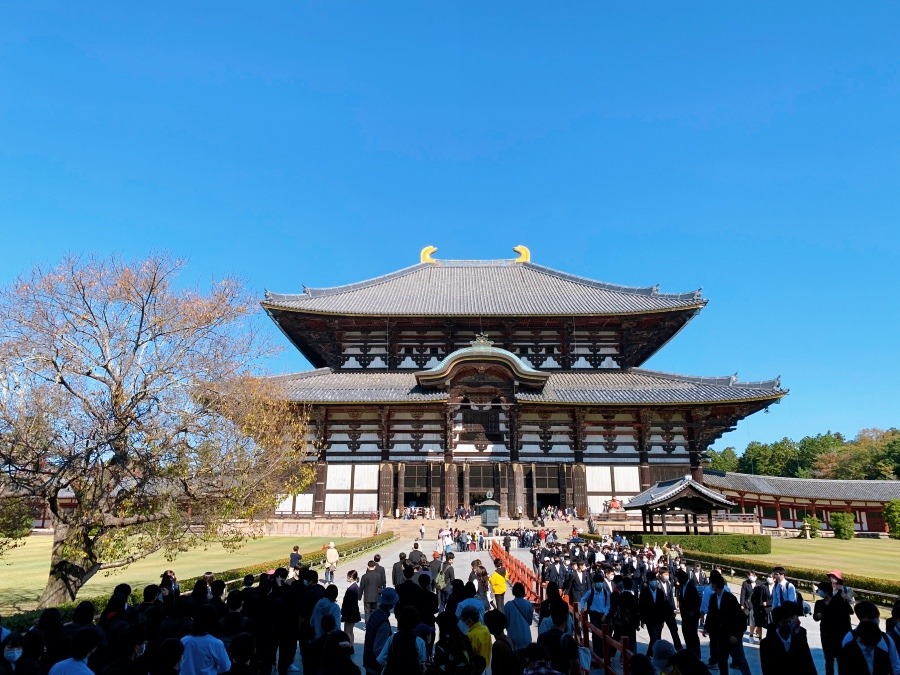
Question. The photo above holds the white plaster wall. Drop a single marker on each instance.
(366, 477)
(598, 478)
(338, 477)
(337, 503)
(627, 478)
(304, 503)
(365, 502)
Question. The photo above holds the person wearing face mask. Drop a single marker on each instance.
(746, 601)
(833, 611)
(12, 653)
(130, 645)
(785, 650)
(665, 585)
(727, 622)
(596, 602)
(690, 611)
(761, 600)
(654, 609)
(864, 637)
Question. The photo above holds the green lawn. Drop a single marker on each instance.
(867, 557)
(23, 571)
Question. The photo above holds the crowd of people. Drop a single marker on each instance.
(453, 621)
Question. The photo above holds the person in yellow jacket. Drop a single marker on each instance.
(497, 581)
(479, 635)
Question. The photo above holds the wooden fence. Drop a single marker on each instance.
(584, 631)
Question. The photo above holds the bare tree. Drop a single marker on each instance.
(130, 407)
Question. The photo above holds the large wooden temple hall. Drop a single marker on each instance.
(438, 383)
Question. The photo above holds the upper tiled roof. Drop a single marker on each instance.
(635, 386)
(664, 491)
(482, 288)
(805, 488)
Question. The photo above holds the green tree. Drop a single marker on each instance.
(130, 408)
(892, 517)
(771, 459)
(843, 525)
(726, 460)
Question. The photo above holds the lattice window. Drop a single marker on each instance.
(546, 477)
(415, 477)
(481, 425)
(481, 478)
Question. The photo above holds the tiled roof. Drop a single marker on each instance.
(635, 386)
(805, 488)
(664, 491)
(482, 288)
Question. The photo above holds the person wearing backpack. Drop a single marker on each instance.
(404, 652)
(784, 590)
(497, 581)
(444, 580)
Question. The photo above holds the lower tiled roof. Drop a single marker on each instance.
(664, 491)
(634, 386)
(805, 488)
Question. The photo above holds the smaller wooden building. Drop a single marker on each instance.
(679, 496)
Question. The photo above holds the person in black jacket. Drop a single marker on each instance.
(667, 586)
(785, 650)
(654, 609)
(832, 610)
(397, 577)
(852, 660)
(625, 613)
(690, 611)
(578, 583)
(761, 601)
(726, 620)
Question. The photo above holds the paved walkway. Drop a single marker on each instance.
(390, 554)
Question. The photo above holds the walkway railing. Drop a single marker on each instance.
(584, 630)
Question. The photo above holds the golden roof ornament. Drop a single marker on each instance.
(427, 252)
(481, 341)
(524, 254)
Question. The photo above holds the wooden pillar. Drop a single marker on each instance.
(687, 525)
(401, 475)
(741, 501)
(319, 494)
(696, 527)
(709, 517)
(643, 443)
(465, 490)
(451, 486)
(663, 515)
(778, 513)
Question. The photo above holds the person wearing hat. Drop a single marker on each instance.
(727, 622)
(378, 630)
(833, 611)
(662, 654)
(785, 650)
(331, 560)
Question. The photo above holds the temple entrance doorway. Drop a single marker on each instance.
(541, 488)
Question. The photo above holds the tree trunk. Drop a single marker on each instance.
(67, 576)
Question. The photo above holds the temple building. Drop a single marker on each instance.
(438, 383)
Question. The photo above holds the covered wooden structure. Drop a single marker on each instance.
(682, 495)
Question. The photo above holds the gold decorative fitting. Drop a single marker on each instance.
(427, 252)
(482, 341)
(524, 254)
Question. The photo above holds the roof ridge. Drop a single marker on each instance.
(617, 288)
(824, 480)
(346, 288)
(302, 374)
(718, 380)
(649, 291)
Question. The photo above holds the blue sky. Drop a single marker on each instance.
(751, 149)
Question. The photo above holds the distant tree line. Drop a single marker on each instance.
(874, 454)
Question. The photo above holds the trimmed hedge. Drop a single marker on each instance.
(24, 620)
(860, 584)
(753, 544)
